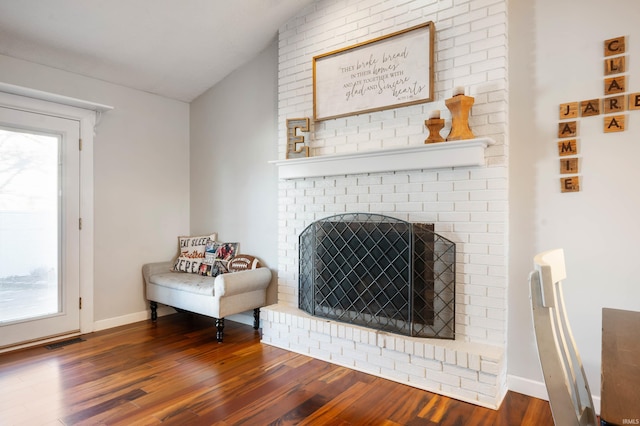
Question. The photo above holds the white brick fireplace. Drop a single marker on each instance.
(467, 201)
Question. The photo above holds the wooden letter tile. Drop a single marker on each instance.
(615, 85)
(614, 65)
(634, 101)
(568, 166)
(615, 104)
(570, 184)
(296, 147)
(614, 46)
(567, 147)
(614, 123)
(590, 107)
(569, 110)
(568, 129)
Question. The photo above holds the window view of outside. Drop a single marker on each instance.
(29, 217)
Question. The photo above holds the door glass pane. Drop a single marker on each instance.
(29, 218)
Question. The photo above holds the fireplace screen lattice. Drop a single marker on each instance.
(378, 272)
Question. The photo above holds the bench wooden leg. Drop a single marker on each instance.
(256, 318)
(219, 329)
(154, 311)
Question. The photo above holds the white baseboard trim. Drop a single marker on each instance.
(528, 387)
(130, 318)
(538, 389)
(39, 342)
(243, 318)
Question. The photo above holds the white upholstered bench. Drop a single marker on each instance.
(217, 297)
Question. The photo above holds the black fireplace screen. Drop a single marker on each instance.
(379, 272)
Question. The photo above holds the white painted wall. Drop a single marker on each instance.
(233, 136)
(141, 182)
(556, 56)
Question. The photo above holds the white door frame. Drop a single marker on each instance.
(86, 114)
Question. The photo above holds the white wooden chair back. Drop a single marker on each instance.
(564, 376)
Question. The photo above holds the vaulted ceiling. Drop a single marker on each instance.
(173, 48)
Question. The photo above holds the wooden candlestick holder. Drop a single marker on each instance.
(434, 125)
(460, 105)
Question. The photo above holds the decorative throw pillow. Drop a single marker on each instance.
(243, 262)
(191, 253)
(218, 268)
(209, 257)
(226, 251)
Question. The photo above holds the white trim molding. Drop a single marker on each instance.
(53, 97)
(537, 389)
(85, 113)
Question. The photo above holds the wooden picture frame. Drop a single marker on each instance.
(386, 72)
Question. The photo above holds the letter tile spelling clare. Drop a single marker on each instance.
(614, 123)
(615, 102)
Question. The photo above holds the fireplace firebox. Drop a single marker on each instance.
(378, 272)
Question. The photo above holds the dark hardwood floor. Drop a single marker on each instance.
(175, 373)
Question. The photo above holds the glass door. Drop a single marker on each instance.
(39, 227)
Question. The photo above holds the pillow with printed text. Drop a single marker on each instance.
(191, 253)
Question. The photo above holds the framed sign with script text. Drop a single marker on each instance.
(386, 72)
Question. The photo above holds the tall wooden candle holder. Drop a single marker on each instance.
(460, 105)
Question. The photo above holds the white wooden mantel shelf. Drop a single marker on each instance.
(463, 153)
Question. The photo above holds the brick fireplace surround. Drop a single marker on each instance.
(464, 368)
(466, 201)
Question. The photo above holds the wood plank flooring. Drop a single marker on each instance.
(175, 373)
